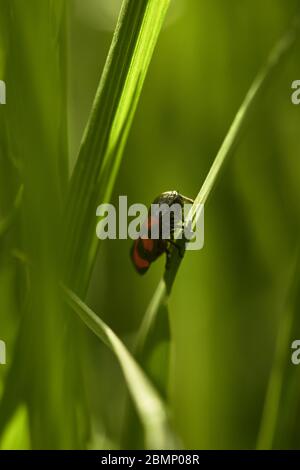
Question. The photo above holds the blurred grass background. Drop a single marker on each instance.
(228, 299)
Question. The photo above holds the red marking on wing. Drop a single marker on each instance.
(152, 221)
(137, 259)
(148, 244)
(147, 232)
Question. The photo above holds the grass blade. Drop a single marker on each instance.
(229, 144)
(100, 154)
(148, 404)
(8, 220)
(34, 140)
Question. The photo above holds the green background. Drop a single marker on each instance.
(229, 300)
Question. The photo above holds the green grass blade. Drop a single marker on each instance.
(34, 140)
(254, 94)
(148, 404)
(17, 435)
(271, 408)
(229, 144)
(102, 146)
(7, 221)
(153, 353)
(148, 321)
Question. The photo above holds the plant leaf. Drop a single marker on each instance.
(148, 404)
(277, 380)
(164, 288)
(34, 145)
(8, 220)
(102, 146)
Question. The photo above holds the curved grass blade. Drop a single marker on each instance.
(271, 408)
(7, 221)
(34, 144)
(102, 146)
(149, 406)
(274, 60)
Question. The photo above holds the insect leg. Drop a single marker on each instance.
(187, 200)
(180, 249)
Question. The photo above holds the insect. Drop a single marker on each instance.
(145, 249)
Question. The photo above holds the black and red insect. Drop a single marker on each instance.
(145, 249)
